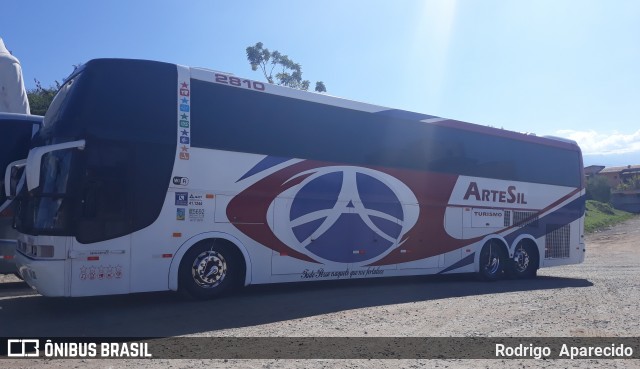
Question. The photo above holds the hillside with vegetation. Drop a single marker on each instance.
(601, 215)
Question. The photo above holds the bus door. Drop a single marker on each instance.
(101, 251)
(314, 233)
(416, 245)
(374, 233)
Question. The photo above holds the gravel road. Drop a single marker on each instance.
(597, 298)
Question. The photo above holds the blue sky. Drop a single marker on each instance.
(568, 68)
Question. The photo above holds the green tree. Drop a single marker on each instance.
(40, 97)
(287, 72)
(632, 183)
(598, 189)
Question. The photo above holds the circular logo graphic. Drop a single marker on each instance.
(345, 214)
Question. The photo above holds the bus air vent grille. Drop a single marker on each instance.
(507, 218)
(525, 218)
(557, 241)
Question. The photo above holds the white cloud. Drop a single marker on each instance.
(597, 143)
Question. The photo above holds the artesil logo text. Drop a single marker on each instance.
(510, 195)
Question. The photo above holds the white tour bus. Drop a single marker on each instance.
(16, 131)
(152, 176)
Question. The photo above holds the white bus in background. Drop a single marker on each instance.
(16, 131)
(153, 176)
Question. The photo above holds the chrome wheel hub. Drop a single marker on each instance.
(209, 269)
(521, 259)
(493, 263)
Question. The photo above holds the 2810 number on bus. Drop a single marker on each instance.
(235, 81)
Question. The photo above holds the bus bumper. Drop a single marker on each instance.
(45, 276)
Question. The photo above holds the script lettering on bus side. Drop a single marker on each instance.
(346, 273)
(510, 195)
(237, 82)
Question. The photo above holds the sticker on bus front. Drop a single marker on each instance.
(180, 214)
(182, 198)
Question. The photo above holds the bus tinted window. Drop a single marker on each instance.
(128, 109)
(476, 154)
(247, 121)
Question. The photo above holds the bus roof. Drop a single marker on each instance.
(544, 140)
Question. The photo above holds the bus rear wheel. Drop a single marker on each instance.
(209, 269)
(524, 263)
(492, 261)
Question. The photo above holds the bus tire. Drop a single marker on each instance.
(525, 261)
(210, 268)
(492, 261)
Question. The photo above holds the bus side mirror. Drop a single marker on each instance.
(34, 160)
(12, 182)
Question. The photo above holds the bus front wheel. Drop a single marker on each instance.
(492, 261)
(209, 269)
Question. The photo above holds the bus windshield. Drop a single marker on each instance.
(50, 210)
(49, 214)
(55, 167)
(47, 209)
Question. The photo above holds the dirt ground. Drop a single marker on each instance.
(598, 298)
